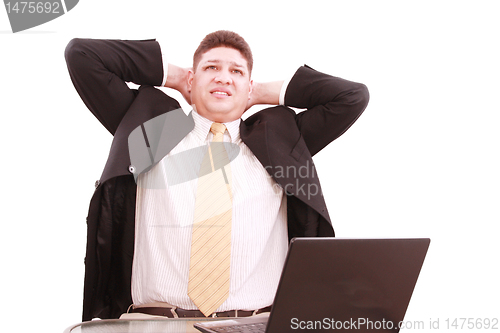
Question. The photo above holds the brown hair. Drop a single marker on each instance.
(227, 39)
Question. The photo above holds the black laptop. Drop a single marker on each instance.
(361, 285)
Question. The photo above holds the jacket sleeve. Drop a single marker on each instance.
(99, 70)
(333, 105)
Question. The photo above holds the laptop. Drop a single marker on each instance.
(342, 284)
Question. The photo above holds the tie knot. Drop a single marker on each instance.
(217, 128)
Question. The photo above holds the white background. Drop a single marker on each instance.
(422, 161)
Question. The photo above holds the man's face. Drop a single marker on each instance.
(220, 85)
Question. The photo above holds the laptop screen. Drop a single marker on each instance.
(336, 283)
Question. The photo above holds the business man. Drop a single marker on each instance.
(142, 238)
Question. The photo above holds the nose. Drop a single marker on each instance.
(223, 77)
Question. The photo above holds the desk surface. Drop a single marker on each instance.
(138, 326)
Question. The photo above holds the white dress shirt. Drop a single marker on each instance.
(164, 218)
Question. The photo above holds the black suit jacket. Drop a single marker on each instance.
(283, 141)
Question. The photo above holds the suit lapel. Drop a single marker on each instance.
(287, 161)
(141, 133)
(254, 135)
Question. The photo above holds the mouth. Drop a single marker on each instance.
(220, 93)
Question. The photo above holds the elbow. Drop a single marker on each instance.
(356, 99)
(362, 97)
(76, 52)
(72, 49)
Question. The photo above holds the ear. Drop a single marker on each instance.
(250, 89)
(190, 79)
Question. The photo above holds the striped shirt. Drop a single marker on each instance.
(164, 217)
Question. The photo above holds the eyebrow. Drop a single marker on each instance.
(216, 61)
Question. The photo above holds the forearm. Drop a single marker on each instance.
(130, 61)
(309, 88)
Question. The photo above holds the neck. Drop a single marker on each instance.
(219, 117)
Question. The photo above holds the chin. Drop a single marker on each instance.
(222, 116)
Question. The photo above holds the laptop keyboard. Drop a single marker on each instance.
(242, 328)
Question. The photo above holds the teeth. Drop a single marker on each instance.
(220, 93)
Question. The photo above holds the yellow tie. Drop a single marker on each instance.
(208, 285)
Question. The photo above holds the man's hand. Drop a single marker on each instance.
(265, 93)
(178, 79)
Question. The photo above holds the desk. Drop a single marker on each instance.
(168, 325)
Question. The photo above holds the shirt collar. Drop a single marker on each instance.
(202, 129)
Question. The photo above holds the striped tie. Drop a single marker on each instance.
(208, 285)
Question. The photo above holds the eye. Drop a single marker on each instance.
(237, 71)
(212, 67)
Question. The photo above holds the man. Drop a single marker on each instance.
(140, 238)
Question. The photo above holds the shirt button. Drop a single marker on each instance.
(131, 169)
